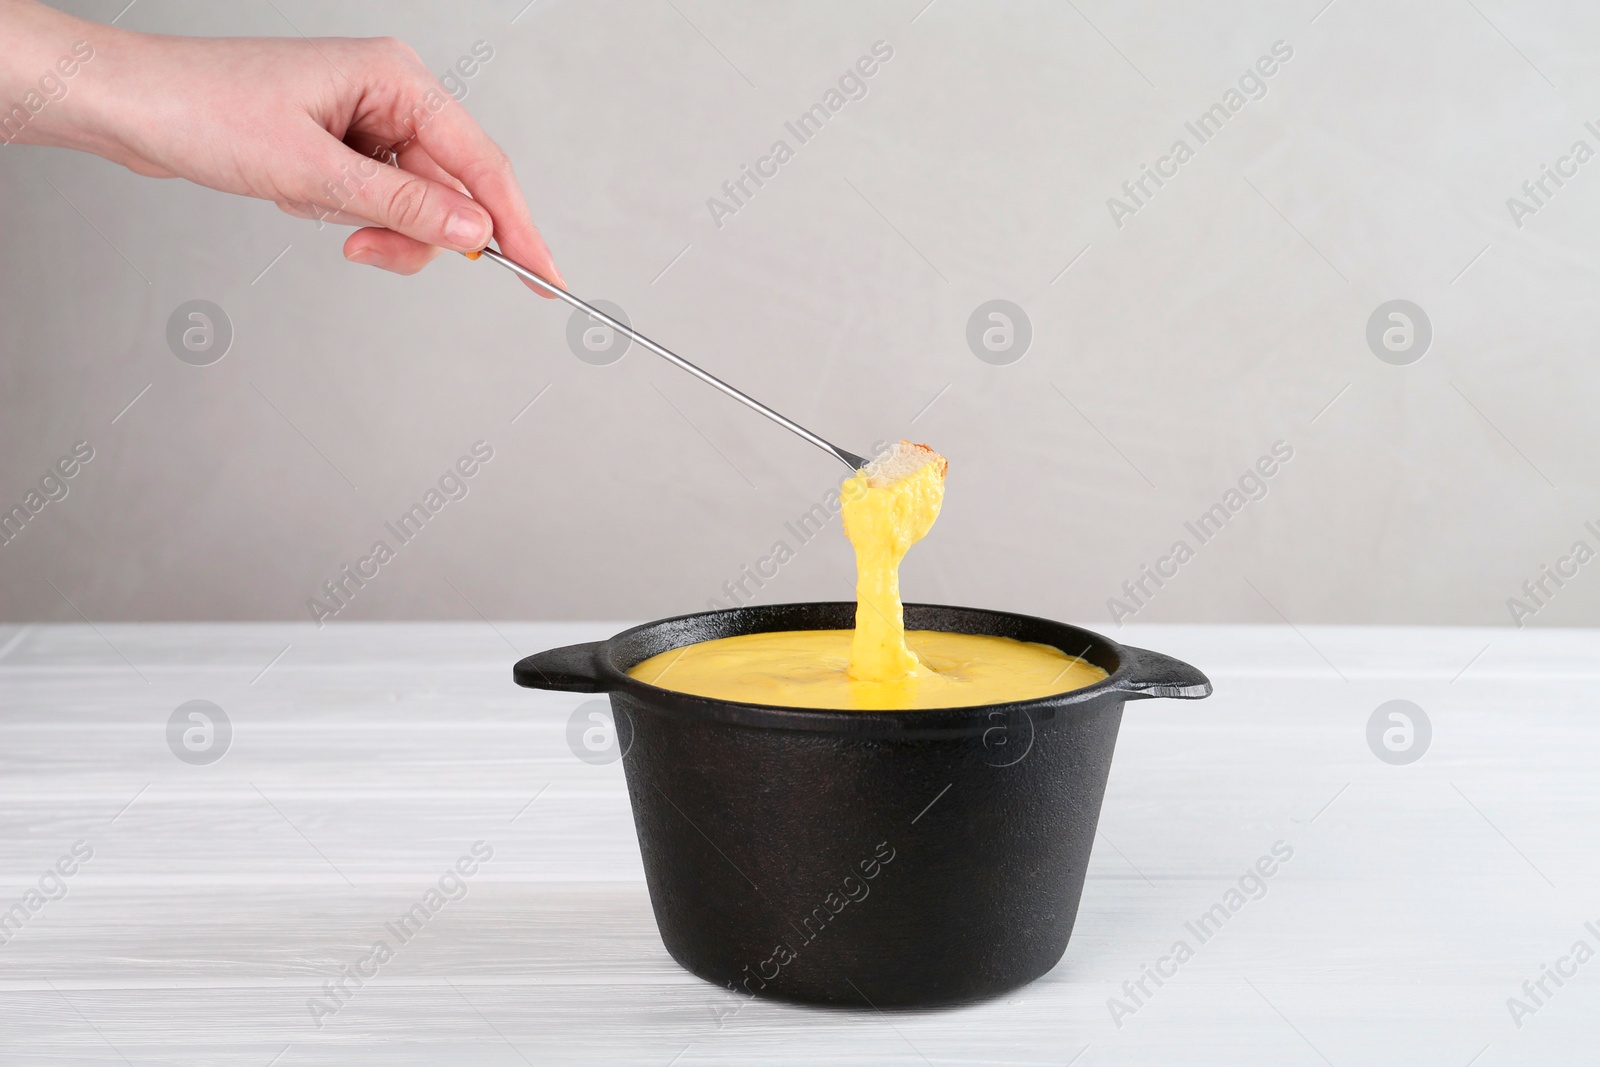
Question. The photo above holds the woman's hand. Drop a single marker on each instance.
(308, 124)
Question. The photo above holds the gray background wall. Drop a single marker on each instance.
(1222, 317)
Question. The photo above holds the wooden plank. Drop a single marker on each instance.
(219, 898)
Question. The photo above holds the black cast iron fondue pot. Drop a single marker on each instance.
(904, 858)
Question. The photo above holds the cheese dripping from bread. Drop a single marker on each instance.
(888, 506)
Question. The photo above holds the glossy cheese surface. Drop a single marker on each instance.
(810, 669)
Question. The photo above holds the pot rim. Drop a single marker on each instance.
(592, 668)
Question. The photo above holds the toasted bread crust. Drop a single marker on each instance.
(944, 464)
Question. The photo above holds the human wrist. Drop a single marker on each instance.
(46, 62)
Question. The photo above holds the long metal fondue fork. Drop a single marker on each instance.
(849, 459)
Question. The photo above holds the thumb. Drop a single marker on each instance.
(401, 201)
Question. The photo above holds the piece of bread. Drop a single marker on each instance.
(901, 460)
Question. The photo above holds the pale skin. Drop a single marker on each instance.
(303, 123)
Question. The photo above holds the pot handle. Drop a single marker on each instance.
(1149, 674)
(572, 669)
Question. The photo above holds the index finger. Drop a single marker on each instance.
(458, 144)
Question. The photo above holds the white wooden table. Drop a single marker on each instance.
(366, 759)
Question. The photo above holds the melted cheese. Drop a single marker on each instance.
(878, 666)
(882, 523)
(808, 669)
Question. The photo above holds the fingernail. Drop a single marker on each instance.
(466, 228)
(368, 256)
